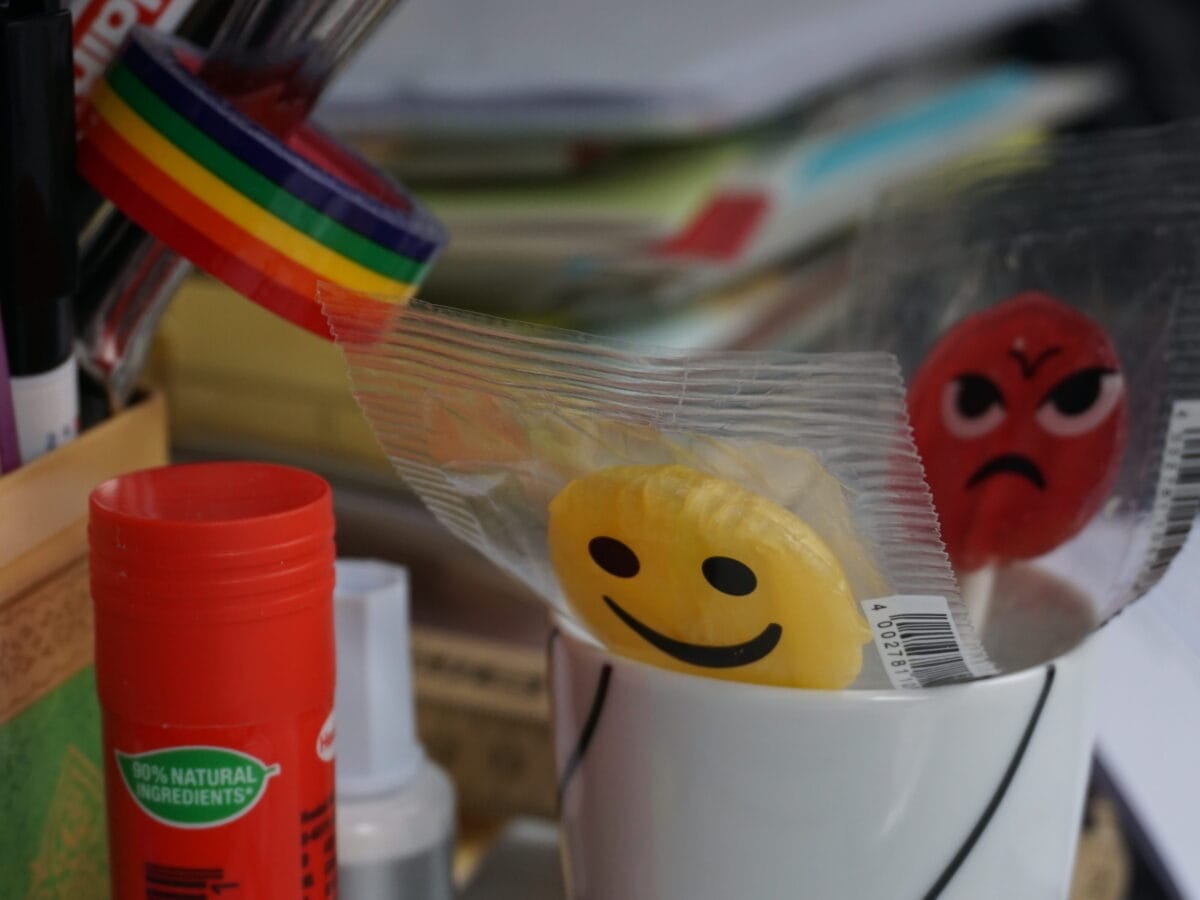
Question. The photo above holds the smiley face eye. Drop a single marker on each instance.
(729, 576)
(1080, 402)
(614, 557)
(972, 406)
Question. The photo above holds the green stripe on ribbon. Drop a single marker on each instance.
(256, 187)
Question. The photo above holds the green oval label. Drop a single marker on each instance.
(194, 787)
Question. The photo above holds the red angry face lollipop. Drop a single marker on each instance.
(1020, 414)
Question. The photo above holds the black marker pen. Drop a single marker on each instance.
(37, 233)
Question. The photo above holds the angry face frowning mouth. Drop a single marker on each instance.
(1012, 463)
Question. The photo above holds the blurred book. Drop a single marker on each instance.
(788, 306)
(650, 194)
(855, 149)
(632, 68)
(661, 224)
(482, 160)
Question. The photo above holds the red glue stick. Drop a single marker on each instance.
(213, 588)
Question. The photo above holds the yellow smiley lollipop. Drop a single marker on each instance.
(684, 570)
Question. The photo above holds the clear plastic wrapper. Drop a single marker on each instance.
(752, 516)
(1045, 307)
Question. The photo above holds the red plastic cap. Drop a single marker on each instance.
(213, 586)
(216, 540)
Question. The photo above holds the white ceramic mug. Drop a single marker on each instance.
(683, 788)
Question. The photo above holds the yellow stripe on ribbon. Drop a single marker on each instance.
(212, 191)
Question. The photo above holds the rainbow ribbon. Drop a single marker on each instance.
(272, 219)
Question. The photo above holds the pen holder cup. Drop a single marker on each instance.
(675, 786)
(52, 832)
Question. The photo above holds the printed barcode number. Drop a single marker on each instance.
(917, 641)
(1177, 500)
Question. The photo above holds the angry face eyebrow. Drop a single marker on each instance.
(1029, 366)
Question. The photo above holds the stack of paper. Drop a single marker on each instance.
(821, 180)
(615, 165)
(659, 225)
(627, 68)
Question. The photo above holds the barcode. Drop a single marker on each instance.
(1177, 499)
(931, 647)
(918, 641)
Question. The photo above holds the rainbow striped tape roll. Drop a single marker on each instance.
(272, 219)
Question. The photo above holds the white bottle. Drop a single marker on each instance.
(395, 808)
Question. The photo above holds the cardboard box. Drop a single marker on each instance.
(483, 713)
(52, 830)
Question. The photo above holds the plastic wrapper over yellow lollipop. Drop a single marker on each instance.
(684, 570)
(722, 514)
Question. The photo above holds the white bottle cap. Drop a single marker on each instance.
(377, 747)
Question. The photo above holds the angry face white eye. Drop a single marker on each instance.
(972, 406)
(1080, 402)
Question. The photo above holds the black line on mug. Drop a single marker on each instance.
(589, 730)
(1001, 789)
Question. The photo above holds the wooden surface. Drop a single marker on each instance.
(45, 605)
(49, 496)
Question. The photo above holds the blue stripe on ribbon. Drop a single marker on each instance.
(158, 68)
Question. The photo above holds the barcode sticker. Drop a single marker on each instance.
(1177, 499)
(918, 641)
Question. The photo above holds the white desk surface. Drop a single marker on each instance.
(1149, 739)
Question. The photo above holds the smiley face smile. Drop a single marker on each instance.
(719, 657)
